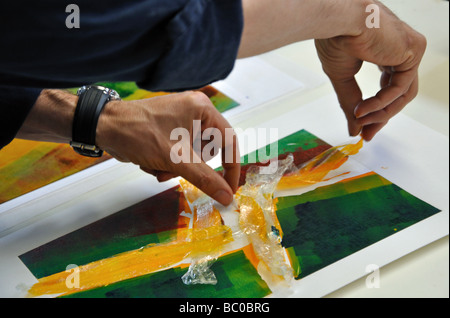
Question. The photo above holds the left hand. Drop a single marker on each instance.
(397, 49)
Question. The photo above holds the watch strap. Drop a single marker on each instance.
(90, 104)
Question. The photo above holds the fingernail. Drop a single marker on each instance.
(224, 197)
(358, 112)
(354, 131)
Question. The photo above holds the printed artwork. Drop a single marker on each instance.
(28, 165)
(318, 228)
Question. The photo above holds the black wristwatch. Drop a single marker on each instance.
(90, 104)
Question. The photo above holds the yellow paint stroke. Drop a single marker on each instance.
(258, 218)
(202, 220)
(191, 192)
(204, 216)
(17, 149)
(207, 236)
(148, 259)
(259, 222)
(317, 168)
(265, 251)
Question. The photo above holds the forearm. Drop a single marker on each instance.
(272, 24)
(51, 117)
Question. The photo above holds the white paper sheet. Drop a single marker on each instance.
(254, 82)
(405, 152)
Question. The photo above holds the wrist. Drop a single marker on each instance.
(347, 17)
(107, 124)
(51, 117)
(91, 101)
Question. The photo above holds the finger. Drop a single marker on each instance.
(400, 83)
(232, 169)
(373, 122)
(349, 96)
(386, 76)
(149, 171)
(369, 131)
(229, 144)
(206, 179)
(163, 176)
(392, 109)
(384, 114)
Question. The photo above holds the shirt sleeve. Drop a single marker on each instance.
(15, 104)
(159, 44)
(203, 43)
(162, 45)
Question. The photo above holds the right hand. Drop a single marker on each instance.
(139, 132)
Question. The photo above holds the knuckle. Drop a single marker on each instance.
(422, 41)
(197, 104)
(198, 99)
(413, 92)
(387, 113)
(204, 180)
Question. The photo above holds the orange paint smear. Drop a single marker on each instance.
(316, 169)
(207, 236)
(251, 255)
(191, 192)
(253, 222)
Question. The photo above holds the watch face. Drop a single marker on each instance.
(113, 95)
(81, 90)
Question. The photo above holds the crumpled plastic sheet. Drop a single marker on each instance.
(257, 220)
(316, 169)
(257, 211)
(258, 217)
(199, 271)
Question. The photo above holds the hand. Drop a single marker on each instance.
(139, 132)
(396, 48)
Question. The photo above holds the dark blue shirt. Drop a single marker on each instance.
(169, 45)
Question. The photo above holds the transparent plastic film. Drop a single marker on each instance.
(259, 222)
(201, 244)
(207, 237)
(205, 216)
(316, 169)
(147, 259)
(257, 207)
